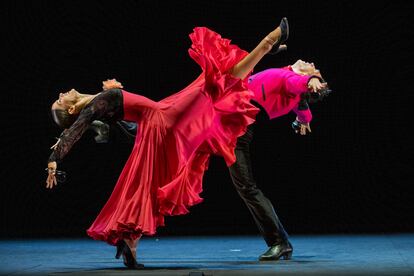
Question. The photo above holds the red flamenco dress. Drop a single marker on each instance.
(163, 175)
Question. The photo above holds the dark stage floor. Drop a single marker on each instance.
(313, 255)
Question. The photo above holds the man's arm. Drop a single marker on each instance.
(301, 124)
(298, 84)
(303, 112)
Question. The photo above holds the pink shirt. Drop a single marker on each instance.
(278, 90)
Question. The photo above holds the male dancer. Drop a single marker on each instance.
(277, 92)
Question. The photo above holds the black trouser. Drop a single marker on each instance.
(259, 206)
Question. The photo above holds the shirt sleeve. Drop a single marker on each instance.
(298, 84)
(71, 135)
(303, 112)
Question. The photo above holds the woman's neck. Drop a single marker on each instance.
(85, 99)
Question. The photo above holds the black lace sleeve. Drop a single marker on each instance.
(71, 135)
(106, 106)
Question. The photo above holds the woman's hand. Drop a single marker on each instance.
(55, 145)
(315, 85)
(51, 178)
(109, 84)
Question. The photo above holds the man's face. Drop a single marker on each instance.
(306, 68)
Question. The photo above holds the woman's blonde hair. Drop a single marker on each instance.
(63, 118)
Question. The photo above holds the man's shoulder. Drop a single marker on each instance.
(271, 74)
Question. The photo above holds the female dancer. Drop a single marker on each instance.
(163, 174)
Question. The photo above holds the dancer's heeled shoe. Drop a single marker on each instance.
(129, 260)
(284, 35)
(120, 247)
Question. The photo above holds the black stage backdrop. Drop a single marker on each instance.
(352, 174)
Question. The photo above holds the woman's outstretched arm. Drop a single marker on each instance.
(65, 142)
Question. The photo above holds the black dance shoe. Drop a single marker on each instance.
(284, 35)
(129, 260)
(120, 247)
(277, 251)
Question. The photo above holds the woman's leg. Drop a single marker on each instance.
(130, 254)
(242, 69)
(132, 244)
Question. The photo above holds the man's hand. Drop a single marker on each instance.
(51, 177)
(315, 85)
(304, 128)
(109, 84)
(301, 128)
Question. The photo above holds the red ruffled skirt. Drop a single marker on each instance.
(163, 175)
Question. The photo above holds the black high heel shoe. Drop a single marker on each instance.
(284, 35)
(129, 260)
(120, 247)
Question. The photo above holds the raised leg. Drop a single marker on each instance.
(246, 65)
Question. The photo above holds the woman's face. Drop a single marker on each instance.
(66, 100)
